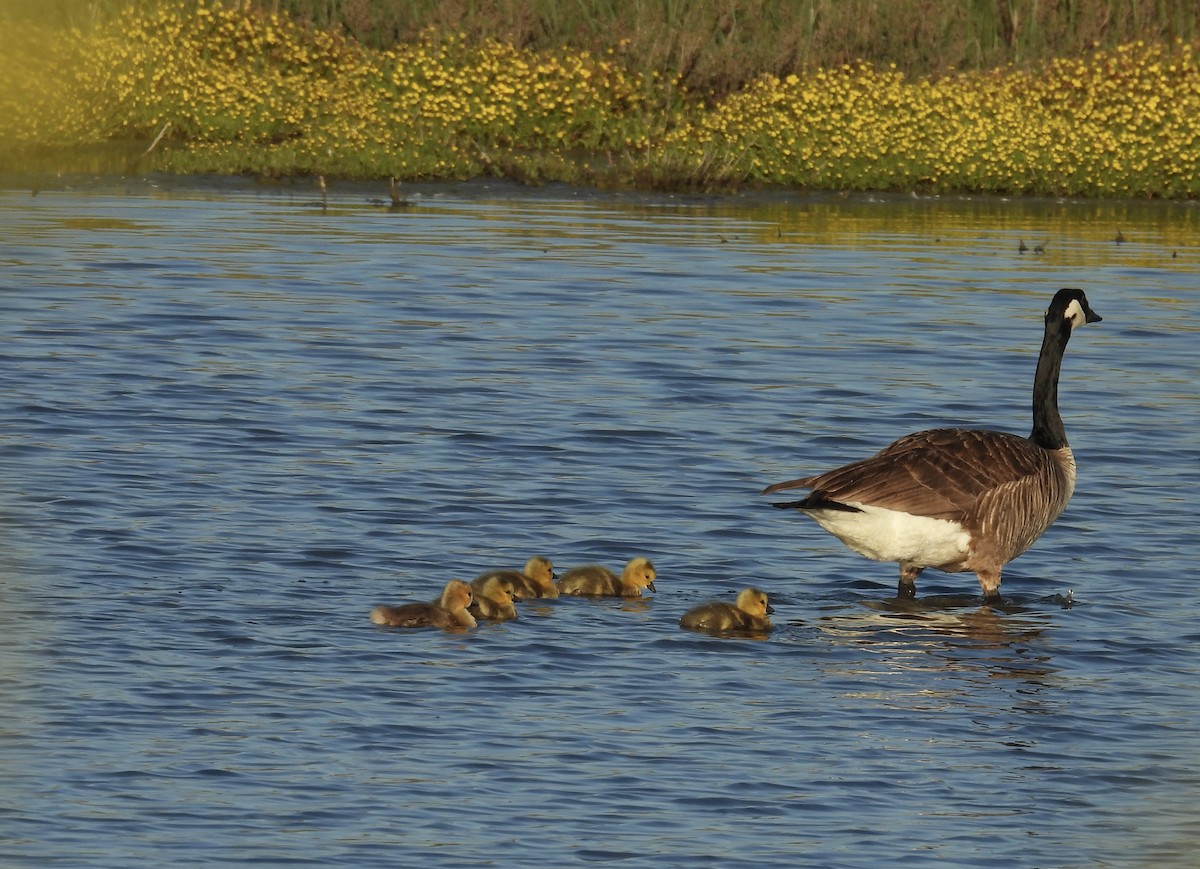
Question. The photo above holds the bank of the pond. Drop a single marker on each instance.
(219, 89)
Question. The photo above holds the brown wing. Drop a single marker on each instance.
(940, 473)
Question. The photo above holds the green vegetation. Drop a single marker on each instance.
(721, 45)
(661, 94)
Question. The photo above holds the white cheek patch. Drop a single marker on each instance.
(1075, 314)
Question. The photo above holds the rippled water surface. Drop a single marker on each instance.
(233, 420)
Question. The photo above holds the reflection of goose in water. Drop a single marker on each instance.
(594, 580)
(536, 580)
(913, 636)
(748, 613)
(958, 499)
(450, 610)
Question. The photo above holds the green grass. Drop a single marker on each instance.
(720, 45)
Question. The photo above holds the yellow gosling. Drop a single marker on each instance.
(450, 610)
(748, 613)
(597, 581)
(493, 599)
(535, 580)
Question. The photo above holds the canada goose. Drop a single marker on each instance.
(536, 580)
(749, 613)
(493, 599)
(592, 579)
(450, 611)
(958, 499)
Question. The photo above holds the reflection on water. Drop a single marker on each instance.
(927, 226)
(948, 632)
(236, 418)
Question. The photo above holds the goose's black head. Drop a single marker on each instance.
(1071, 306)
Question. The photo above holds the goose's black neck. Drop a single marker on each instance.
(1048, 431)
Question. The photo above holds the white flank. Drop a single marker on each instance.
(890, 535)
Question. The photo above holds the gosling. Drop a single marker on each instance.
(493, 599)
(599, 581)
(449, 611)
(536, 580)
(749, 613)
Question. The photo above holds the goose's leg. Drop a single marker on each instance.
(989, 581)
(907, 587)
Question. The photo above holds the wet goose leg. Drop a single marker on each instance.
(907, 587)
(989, 581)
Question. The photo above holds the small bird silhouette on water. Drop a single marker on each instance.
(398, 201)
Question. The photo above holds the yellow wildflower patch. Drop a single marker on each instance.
(1117, 123)
(239, 90)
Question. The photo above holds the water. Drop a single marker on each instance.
(234, 420)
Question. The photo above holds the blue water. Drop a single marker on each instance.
(233, 420)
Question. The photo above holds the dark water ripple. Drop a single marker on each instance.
(232, 422)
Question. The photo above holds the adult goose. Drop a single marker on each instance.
(958, 499)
